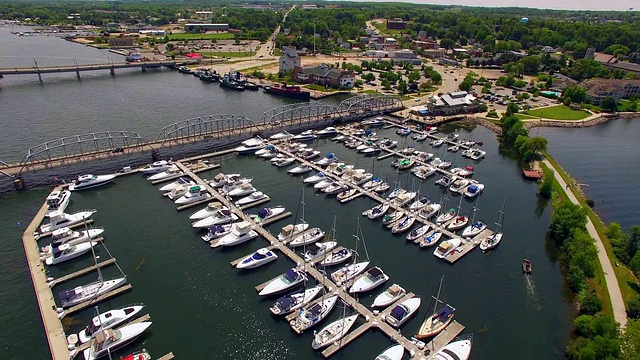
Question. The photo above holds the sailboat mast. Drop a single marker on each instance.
(501, 217)
(435, 305)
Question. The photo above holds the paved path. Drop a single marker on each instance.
(619, 312)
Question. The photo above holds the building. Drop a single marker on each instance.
(325, 76)
(397, 24)
(205, 27)
(425, 44)
(121, 42)
(434, 53)
(598, 89)
(454, 103)
(289, 59)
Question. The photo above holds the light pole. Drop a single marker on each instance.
(314, 38)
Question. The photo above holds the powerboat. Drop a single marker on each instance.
(313, 313)
(361, 178)
(389, 296)
(89, 181)
(323, 183)
(328, 159)
(289, 231)
(403, 225)
(283, 135)
(457, 350)
(396, 192)
(138, 355)
(57, 202)
(301, 169)
(315, 178)
(428, 211)
(344, 195)
(57, 254)
(474, 190)
(221, 216)
(62, 219)
(282, 161)
(437, 143)
(109, 340)
(447, 247)
(477, 154)
(527, 267)
(403, 198)
(372, 183)
(65, 235)
(250, 146)
(422, 156)
(369, 280)
(382, 188)
(402, 312)
(337, 257)
(156, 167)
(348, 272)
(403, 131)
(378, 121)
(268, 213)
(319, 249)
(309, 154)
(458, 185)
(221, 179)
(453, 148)
(392, 218)
(457, 223)
(395, 352)
(194, 194)
(430, 239)
(240, 232)
(108, 320)
(289, 279)
(333, 332)
(419, 137)
(305, 136)
(473, 229)
(268, 154)
(266, 149)
(260, 257)
(253, 197)
(418, 233)
(90, 291)
(467, 171)
(182, 181)
(216, 231)
(308, 237)
(334, 188)
(290, 303)
(328, 131)
(388, 143)
(209, 210)
(374, 149)
(446, 181)
(172, 171)
(242, 189)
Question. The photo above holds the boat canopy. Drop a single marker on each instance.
(330, 156)
(315, 310)
(285, 303)
(194, 189)
(263, 213)
(394, 289)
(291, 274)
(443, 314)
(398, 312)
(375, 272)
(257, 256)
(270, 147)
(472, 189)
(69, 293)
(470, 168)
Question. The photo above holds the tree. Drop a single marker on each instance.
(369, 77)
(512, 108)
(435, 77)
(546, 187)
(531, 64)
(566, 217)
(633, 307)
(465, 85)
(590, 304)
(386, 84)
(447, 43)
(403, 88)
(630, 341)
(609, 104)
(574, 94)
(634, 264)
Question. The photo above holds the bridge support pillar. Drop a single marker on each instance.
(18, 183)
(40, 77)
(144, 68)
(78, 74)
(113, 71)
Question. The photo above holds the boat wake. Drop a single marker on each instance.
(532, 293)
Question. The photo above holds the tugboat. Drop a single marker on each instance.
(292, 91)
(526, 266)
(231, 81)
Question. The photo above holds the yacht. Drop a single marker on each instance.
(309, 154)
(290, 303)
(305, 136)
(328, 159)
(65, 235)
(250, 146)
(268, 213)
(402, 312)
(436, 143)
(289, 231)
(89, 181)
(348, 272)
(283, 135)
(445, 181)
(333, 332)
(418, 233)
(57, 202)
(334, 188)
(315, 178)
(337, 257)
(260, 257)
(369, 280)
(372, 183)
(221, 180)
(220, 217)
(182, 181)
(323, 183)
(156, 167)
(474, 190)
(62, 219)
(240, 232)
(308, 237)
(457, 350)
(396, 192)
(319, 249)
(301, 169)
(474, 229)
(242, 189)
(477, 154)
(403, 131)
(289, 279)
(282, 161)
(389, 296)
(447, 247)
(344, 195)
(378, 121)
(108, 320)
(419, 137)
(269, 154)
(392, 218)
(253, 197)
(395, 352)
(328, 131)
(371, 150)
(194, 194)
(459, 185)
(430, 239)
(90, 291)
(172, 171)
(313, 313)
(57, 254)
(403, 198)
(108, 341)
(382, 188)
(209, 210)
(217, 231)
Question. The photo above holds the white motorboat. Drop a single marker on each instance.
(258, 258)
(90, 181)
(270, 154)
(419, 137)
(219, 217)
(283, 135)
(57, 254)
(418, 233)
(474, 229)
(467, 171)
(289, 279)
(395, 352)
(348, 272)
(453, 148)
(334, 188)
(438, 319)
(268, 213)
(337, 257)
(109, 320)
(330, 158)
(447, 247)
(315, 178)
(209, 210)
(240, 232)
(477, 154)
(221, 179)
(242, 189)
(430, 239)
(290, 303)
(333, 332)
(364, 146)
(445, 217)
(361, 178)
(382, 188)
(389, 296)
(289, 231)
(458, 185)
(308, 237)
(422, 156)
(372, 150)
(402, 312)
(249, 149)
(403, 131)
(217, 231)
(90, 291)
(282, 161)
(378, 121)
(110, 340)
(403, 198)
(194, 194)
(65, 235)
(301, 169)
(179, 191)
(458, 223)
(305, 136)
(323, 183)
(457, 350)
(310, 154)
(474, 190)
(172, 171)
(438, 142)
(396, 192)
(319, 249)
(344, 195)
(372, 183)
(57, 202)
(156, 167)
(182, 181)
(62, 219)
(428, 211)
(403, 225)
(253, 141)
(328, 131)
(253, 197)
(339, 138)
(446, 181)
(419, 204)
(313, 313)
(491, 241)
(369, 280)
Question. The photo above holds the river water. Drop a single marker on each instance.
(201, 307)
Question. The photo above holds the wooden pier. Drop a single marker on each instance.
(284, 215)
(94, 301)
(78, 273)
(255, 203)
(467, 245)
(168, 356)
(444, 337)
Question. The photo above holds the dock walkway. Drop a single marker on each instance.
(78, 273)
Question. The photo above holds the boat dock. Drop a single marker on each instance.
(284, 215)
(198, 169)
(94, 301)
(49, 233)
(78, 273)
(335, 347)
(86, 345)
(444, 337)
(255, 203)
(467, 246)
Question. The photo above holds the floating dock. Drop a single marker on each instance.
(78, 273)
(467, 245)
(94, 301)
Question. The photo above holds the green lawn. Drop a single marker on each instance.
(525, 117)
(383, 29)
(190, 36)
(560, 112)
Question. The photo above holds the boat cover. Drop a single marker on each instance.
(470, 168)
(258, 256)
(285, 303)
(263, 213)
(68, 294)
(291, 274)
(330, 155)
(375, 272)
(443, 314)
(315, 310)
(398, 312)
(56, 251)
(394, 289)
(472, 189)
(270, 147)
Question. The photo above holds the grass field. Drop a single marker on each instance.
(383, 28)
(560, 112)
(230, 54)
(525, 117)
(190, 36)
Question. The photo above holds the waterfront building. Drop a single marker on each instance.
(324, 75)
(459, 102)
(598, 89)
(289, 59)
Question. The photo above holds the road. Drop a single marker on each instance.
(619, 312)
(266, 49)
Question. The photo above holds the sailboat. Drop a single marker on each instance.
(476, 227)
(438, 320)
(350, 271)
(333, 332)
(459, 221)
(492, 241)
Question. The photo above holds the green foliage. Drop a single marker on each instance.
(529, 148)
(546, 187)
(512, 127)
(633, 307)
(512, 108)
(630, 341)
(599, 338)
(483, 108)
(492, 114)
(574, 94)
(520, 84)
(467, 83)
(634, 264)
(369, 77)
(590, 304)
(566, 218)
(447, 43)
(386, 84)
(586, 69)
(623, 249)
(609, 104)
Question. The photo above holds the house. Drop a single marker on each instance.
(598, 89)
(459, 102)
(289, 59)
(428, 44)
(325, 76)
